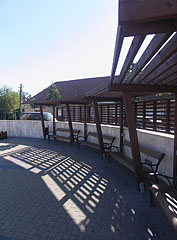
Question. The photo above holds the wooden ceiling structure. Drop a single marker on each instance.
(155, 71)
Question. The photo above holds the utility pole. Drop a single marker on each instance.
(20, 109)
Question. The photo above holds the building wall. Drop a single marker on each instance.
(153, 140)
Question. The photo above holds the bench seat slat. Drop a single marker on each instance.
(167, 199)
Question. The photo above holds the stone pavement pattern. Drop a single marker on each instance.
(49, 190)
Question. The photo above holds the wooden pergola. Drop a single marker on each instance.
(155, 71)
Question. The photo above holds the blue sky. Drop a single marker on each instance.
(45, 41)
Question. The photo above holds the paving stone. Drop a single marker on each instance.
(73, 195)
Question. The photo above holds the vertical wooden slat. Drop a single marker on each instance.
(88, 108)
(175, 140)
(108, 115)
(74, 114)
(98, 127)
(144, 115)
(116, 114)
(54, 132)
(134, 141)
(101, 114)
(121, 126)
(70, 123)
(135, 112)
(85, 121)
(42, 121)
(167, 116)
(154, 114)
(80, 114)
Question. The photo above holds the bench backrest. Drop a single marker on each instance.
(75, 131)
(105, 137)
(152, 153)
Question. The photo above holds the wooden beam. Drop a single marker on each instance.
(54, 131)
(42, 121)
(134, 141)
(136, 44)
(146, 10)
(70, 123)
(158, 74)
(117, 50)
(165, 26)
(98, 127)
(175, 141)
(168, 50)
(140, 88)
(155, 44)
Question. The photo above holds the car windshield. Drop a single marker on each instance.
(36, 116)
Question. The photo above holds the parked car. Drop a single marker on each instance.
(36, 116)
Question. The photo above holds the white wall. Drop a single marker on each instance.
(153, 140)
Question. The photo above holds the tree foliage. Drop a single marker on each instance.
(9, 101)
(53, 93)
(33, 103)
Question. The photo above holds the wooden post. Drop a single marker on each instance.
(57, 113)
(134, 141)
(54, 132)
(70, 123)
(135, 113)
(42, 121)
(98, 126)
(85, 121)
(121, 126)
(175, 140)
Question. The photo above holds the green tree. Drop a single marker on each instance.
(33, 103)
(9, 102)
(53, 93)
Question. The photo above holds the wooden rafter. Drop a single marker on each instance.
(136, 44)
(155, 44)
(118, 46)
(166, 76)
(159, 72)
(168, 50)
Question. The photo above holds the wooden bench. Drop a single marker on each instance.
(56, 136)
(148, 166)
(107, 141)
(166, 196)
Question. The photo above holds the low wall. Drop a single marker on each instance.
(153, 140)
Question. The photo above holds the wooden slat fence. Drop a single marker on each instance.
(157, 115)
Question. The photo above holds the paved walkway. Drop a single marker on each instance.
(49, 190)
